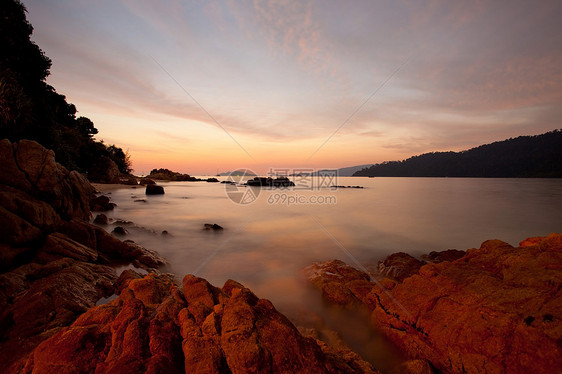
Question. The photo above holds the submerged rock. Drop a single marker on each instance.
(212, 226)
(496, 309)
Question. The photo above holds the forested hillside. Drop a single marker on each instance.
(537, 156)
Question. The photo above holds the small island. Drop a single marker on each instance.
(270, 182)
(172, 176)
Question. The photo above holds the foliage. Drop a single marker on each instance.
(538, 156)
(32, 109)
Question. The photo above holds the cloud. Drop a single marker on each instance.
(278, 72)
(289, 29)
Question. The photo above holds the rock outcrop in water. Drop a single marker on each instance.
(56, 267)
(270, 182)
(153, 189)
(496, 309)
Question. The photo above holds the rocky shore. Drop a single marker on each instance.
(495, 309)
(66, 304)
(56, 268)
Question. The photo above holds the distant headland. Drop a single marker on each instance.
(538, 156)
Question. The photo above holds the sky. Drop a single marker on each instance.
(201, 86)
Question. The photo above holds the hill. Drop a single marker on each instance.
(350, 170)
(538, 156)
(237, 173)
(32, 109)
(341, 172)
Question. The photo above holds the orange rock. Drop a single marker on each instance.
(155, 331)
(496, 309)
(399, 266)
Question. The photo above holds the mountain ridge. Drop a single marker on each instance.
(533, 156)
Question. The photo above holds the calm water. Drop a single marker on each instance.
(265, 244)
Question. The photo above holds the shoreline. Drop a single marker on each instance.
(108, 187)
(56, 266)
(399, 268)
(504, 301)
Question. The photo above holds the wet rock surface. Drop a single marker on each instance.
(496, 309)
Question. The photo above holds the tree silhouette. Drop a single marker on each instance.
(32, 109)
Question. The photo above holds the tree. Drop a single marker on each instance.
(32, 109)
(523, 157)
(122, 159)
(86, 126)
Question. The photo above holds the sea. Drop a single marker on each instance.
(270, 234)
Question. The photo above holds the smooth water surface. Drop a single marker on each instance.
(265, 244)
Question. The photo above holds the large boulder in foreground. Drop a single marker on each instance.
(64, 277)
(54, 265)
(37, 196)
(155, 327)
(496, 309)
(31, 169)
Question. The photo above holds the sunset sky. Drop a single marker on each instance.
(197, 86)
